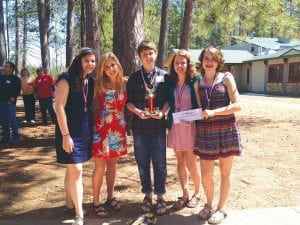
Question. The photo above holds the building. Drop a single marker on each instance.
(261, 65)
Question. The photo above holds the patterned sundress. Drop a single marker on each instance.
(181, 136)
(216, 136)
(109, 139)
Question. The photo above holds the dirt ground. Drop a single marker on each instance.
(266, 175)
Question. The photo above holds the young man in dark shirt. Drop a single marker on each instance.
(10, 86)
(147, 90)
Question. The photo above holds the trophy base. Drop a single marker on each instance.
(147, 113)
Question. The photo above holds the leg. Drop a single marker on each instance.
(142, 157)
(69, 202)
(182, 173)
(191, 163)
(32, 107)
(111, 176)
(26, 100)
(4, 122)
(43, 109)
(207, 171)
(225, 171)
(13, 121)
(51, 110)
(158, 155)
(97, 178)
(75, 186)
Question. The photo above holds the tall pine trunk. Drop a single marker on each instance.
(17, 39)
(44, 17)
(187, 24)
(70, 32)
(162, 46)
(2, 36)
(128, 19)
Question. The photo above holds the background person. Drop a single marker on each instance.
(109, 129)
(10, 87)
(44, 88)
(181, 136)
(217, 135)
(73, 133)
(27, 84)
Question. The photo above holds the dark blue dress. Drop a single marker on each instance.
(80, 124)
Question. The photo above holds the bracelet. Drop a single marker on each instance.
(65, 134)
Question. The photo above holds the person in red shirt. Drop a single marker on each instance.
(44, 87)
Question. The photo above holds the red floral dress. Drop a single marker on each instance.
(109, 139)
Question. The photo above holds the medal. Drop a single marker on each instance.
(150, 86)
(85, 109)
(85, 94)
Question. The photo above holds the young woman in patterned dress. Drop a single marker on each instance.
(217, 133)
(109, 142)
(181, 136)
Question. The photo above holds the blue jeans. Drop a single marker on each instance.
(8, 117)
(46, 104)
(149, 148)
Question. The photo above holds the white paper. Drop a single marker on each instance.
(188, 115)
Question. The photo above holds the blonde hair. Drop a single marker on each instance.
(102, 82)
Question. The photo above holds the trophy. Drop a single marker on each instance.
(151, 109)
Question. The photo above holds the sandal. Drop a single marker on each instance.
(147, 204)
(100, 210)
(217, 217)
(194, 201)
(180, 203)
(114, 204)
(161, 207)
(205, 213)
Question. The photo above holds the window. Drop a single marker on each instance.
(252, 49)
(248, 75)
(275, 73)
(294, 72)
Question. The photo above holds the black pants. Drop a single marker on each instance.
(29, 105)
(46, 105)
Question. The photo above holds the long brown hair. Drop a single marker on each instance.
(191, 67)
(102, 82)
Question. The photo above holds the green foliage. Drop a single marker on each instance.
(106, 23)
(152, 13)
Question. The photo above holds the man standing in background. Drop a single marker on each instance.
(10, 86)
(44, 86)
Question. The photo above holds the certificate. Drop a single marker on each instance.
(188, 115)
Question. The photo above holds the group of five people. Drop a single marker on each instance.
(91, 123)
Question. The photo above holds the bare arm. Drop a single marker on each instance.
(61, 95)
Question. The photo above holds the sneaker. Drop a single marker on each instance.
(24, 122)
(15, 141)
(78, 221)
(32, 121)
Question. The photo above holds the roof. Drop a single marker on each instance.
(280, 54)
(269, 43)
(230, 56)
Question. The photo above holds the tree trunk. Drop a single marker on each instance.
(44, 16)
(128, 17)
(17, 21)
(7, 34)
(187, 24)
(162, 46)
(82, 24)
(2, 36)
(70, 31)
(92, 26)
(24, 44)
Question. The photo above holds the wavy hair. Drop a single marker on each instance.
(216, 54)
(102, 82)
(191, 67)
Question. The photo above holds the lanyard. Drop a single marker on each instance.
(208, 96)
(179, 92)
(152, 84)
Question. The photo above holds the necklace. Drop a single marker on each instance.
(150, 88)
(179, 91)
(85, 94)
(208, 96)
